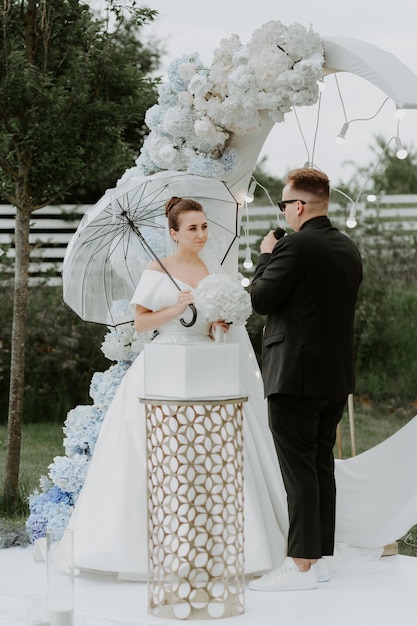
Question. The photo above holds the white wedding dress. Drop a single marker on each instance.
(377, 493)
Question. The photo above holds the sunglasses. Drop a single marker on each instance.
(283, 203)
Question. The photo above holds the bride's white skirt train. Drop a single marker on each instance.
(377, 492)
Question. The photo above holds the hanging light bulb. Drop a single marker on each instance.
(401, 151)
(249, 195)
(245, 282)
(399, 113)
(371, 197)
(247, 263)
(342, 135)
(351, 220)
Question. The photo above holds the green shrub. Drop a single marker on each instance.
(62, 353)
(391, 371)
(385, 323)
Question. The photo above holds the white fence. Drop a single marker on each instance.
(397, 212)
(52, 228)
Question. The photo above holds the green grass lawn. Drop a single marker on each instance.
(373, 423)
(40, 444)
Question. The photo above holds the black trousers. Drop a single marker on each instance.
(304, 433)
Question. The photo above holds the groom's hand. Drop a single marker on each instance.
(268, 242)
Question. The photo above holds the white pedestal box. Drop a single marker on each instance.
(191, 371)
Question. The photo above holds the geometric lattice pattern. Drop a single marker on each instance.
(195, 509)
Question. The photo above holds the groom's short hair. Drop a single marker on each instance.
(309, 180)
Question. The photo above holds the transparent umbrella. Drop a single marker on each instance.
(118, 236)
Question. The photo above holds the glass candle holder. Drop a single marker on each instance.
(37, 610)
(60, 577)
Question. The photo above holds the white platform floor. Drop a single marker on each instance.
(376, 593)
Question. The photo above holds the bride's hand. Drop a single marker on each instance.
(225, 326)
(185, 298)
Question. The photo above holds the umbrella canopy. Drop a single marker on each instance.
(118, 236)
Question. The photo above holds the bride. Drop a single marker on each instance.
(377, 498)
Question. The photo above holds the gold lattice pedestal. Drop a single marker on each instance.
(195, 508)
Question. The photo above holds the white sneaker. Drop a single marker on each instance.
(323, 574)
(286, 578)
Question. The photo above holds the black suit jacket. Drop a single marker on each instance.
(308, 288)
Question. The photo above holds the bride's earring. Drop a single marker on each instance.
(176, 245)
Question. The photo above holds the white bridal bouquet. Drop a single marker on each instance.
(221, 297)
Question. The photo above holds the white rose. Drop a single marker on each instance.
(185, 98)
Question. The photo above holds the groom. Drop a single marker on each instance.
(307, 284)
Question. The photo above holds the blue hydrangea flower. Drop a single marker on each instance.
(51, 509)
(82, 427)
(69, 473)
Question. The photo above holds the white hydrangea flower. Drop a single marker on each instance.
(178, 121)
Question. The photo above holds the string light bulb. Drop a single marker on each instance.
(371, 197)
(247, 263)
(401, 151)
(245, 282)
(342, 135)
(351, 220)
(250, 194)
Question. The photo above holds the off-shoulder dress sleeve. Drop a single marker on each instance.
(154, 291)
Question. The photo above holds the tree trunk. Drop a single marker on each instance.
(17, 364)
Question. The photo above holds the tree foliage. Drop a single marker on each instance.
(267, 183)
(72, 89)
(393, 175)
(387, 174)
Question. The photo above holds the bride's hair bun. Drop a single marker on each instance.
(175, 207)
(169, 204)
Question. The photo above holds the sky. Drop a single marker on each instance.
(186, 26)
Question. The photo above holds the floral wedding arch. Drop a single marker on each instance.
(201, 109)
(212, 121)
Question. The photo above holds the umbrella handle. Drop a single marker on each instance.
(188, 324)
